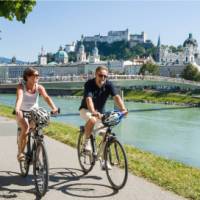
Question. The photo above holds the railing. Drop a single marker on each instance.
(83, 78)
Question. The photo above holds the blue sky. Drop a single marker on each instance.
(55, 23)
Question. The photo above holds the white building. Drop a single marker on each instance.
(70, 47)
(114, 36)
(81, 55)
(42, 57)
(189, 54)
(95, 57)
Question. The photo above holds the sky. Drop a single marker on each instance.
(55, 23)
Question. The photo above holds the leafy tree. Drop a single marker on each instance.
(19, 9)
(119, 49)
(173, 48)
(180, 48)
(149, 68)
(191, 73)
(50, 57)
(72, 56)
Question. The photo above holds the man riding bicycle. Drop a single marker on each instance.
(96, 93)
(28, 92)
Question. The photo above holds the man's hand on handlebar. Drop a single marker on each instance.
(124, 111)
(97, 114)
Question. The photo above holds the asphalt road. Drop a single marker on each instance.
(66, 180)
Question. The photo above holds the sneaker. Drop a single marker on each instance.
(103, 166)
(87, 145)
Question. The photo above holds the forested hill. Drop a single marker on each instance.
(120, 50)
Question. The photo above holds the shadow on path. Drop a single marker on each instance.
(11, 184)
(62, 178)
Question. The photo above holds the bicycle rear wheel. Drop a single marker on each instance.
(24, 167)
(86, 159)
(41, 169)
(115, 155)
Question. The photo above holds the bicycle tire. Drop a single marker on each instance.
(114, 153)
(86, 160)
(40, 169)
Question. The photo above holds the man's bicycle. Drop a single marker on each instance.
(35, 151)
(107, 149)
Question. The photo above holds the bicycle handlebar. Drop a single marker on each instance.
(51, 113)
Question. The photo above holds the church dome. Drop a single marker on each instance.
(61, 54)
(190, 41)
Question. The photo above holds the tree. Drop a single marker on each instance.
(19, 9)
(149, 68)
(190, 73)
(72, 56)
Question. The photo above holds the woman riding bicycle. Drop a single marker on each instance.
(28, 92)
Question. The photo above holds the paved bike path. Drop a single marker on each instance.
(66, 179)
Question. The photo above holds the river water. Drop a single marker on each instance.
(168, 131)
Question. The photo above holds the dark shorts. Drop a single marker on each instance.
(27, 115)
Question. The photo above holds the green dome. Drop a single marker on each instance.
(61, 54)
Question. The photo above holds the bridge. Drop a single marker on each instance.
(121, 81)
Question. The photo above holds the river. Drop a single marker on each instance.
(168, 131)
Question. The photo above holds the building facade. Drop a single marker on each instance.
(188, 54)
(42, 57)
(114, 36)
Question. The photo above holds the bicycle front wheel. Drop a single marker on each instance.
(86, 159)
(115, 156)
(40, 169)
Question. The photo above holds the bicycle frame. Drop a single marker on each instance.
(108, 136)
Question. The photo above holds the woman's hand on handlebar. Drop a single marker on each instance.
(16, 112)
(55, 111)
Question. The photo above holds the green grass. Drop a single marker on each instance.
(160, 97)
(171, 175)
(6, 111)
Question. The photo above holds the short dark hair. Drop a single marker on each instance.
(28, 72)
(101, 67)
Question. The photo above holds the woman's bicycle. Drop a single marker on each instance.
(107, 149)
(35, 151)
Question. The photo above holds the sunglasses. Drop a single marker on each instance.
(102, 76)
(36, 75)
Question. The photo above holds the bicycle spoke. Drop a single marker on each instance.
(116, 157)
(86, 159)
(41, 170)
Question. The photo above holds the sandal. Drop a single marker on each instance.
(21, 157)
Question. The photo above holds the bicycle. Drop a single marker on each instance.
(108, 149)
(35, 151)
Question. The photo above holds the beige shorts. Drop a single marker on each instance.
(86, 115)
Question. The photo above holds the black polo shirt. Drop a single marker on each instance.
(98, 95)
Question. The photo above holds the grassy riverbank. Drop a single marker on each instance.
(154, 96)
(169, 174)
(161, 97)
